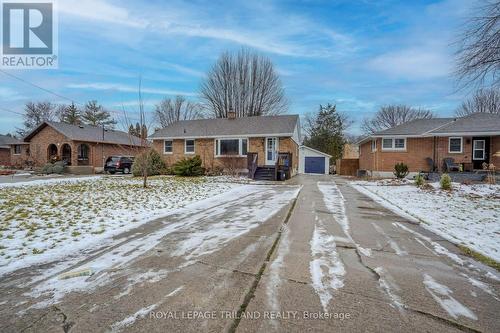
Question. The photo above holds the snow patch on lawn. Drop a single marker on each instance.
(46, 220)
(442, 295)
(468, 215)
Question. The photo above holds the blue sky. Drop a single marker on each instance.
(359, 54)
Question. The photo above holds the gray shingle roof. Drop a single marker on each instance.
(415, 127)
(89, 134)
(6, 141)
(247, 126)
(474, 123)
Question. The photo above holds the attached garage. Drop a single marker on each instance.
(313, 161)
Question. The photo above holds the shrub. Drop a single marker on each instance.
(419, 180)
(401, 170)
(47, 168)
(57, 169)
(151, 160)
(445, 182)
(189, 167)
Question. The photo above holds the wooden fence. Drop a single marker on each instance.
(347, 166)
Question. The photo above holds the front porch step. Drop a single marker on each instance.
(265, 173)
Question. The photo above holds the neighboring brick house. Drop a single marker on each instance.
(227, 143)
(84, 148)
(11, 149)
(470, 141)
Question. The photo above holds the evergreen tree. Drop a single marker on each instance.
(137, 130)
(95, 115)
(326, 131)
(131, 130)
(70, 114)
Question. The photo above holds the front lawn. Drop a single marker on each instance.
(45, 220)
(468, 215)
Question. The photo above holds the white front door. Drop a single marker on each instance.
(271, 150)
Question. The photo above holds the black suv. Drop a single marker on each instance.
(119, 164)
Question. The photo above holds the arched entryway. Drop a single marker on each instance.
(52, 153)
(66, 154)
(83, 154)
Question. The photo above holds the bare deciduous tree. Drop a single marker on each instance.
(392, 115)
(35, 114)
(246, 83)
(170, 111)
(478, 57)
(483, 100)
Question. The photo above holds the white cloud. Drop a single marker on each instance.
(125, 88)
(286, 38)
(414, 63)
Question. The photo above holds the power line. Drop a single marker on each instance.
(41, 88)
(15, 112)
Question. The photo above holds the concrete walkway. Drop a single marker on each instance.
(369, 270)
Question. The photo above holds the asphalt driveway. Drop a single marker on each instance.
(329, 260)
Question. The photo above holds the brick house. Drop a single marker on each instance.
(11, 149)
(424, 143)
(84, 148)
(258, 145)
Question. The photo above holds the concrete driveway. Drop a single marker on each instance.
(329, 260)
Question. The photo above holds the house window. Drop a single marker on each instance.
(168, 147)
(455, 145)
(394, 144)
(374, 145)
(189, 146)
(83, 152)
(231, 147)
(17, 150)
(386, 143)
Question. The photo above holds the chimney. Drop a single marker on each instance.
(231, 114)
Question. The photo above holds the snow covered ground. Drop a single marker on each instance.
(467, 215)
(45, 220)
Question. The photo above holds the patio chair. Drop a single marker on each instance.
(450, 164)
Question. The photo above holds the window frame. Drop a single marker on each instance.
(165, 146)
(393, 144)
(461, 145)
(185, 146)
(374, 145)
(20, 150)
(217, 150)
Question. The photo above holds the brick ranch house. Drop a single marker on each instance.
(470, 141)
(10, 148)
(258, 145)
(83, 147)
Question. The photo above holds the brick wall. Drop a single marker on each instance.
(4, 156)
(443, 151)
(495, 151)
(417, 150)
(420, 148)
(38, 149)
(205, 148)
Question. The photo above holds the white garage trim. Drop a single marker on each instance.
(305, 151)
